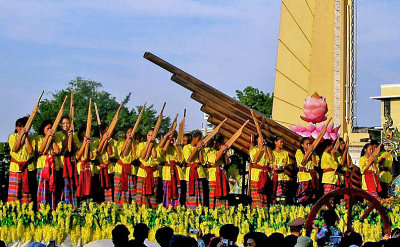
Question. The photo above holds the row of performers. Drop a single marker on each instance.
(185, 172)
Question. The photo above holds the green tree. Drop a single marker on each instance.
(256, 99)
(107, 106)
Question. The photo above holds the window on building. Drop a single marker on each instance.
(386, 107)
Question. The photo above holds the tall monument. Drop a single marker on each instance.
(316, 54)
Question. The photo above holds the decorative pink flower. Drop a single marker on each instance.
(314, 109)
(313, 130)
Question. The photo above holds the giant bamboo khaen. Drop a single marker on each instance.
(104, 140)
(150, 143)
(231, 140)
(237, 144)
(199, 84)
(28, 125)
(48, 138)
(128, 141)
(173, 127)
(86, 153)
(181, 129)
(212, 109)
(71, 119)
(316, 142)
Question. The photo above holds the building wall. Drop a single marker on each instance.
(391, 90)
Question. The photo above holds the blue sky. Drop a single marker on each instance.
(228, 44)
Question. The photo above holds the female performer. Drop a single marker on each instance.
(19, 188)
(47, 166)
(307, 177)
(195, 174)
(369, 171)
(280, 178)
(329, 164)
(172, 174)
(148, 175)
(260, 156)
(125, 172)
(216, 175)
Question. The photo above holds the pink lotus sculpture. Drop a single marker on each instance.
(313, 130)
(314, 109)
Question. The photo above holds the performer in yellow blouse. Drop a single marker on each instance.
(280, 159)
(21, 165)
(369, 171)
(216, 175)
(172, 173)
(385, 161)
(125, 172)
(329, 164)
(307, 177)
(148, 175)
(104, 167)
(68, 161)
(85, 167)
(195, 174)
(47, 166)
(260, 156)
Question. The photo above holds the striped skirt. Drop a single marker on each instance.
(167, 199)
(43, 193)
(330, 187)
(15, 188)
(69, 193)
(142, 198)
(123, 196)
(192, 201)
(282, 189)
(214, 201)
(258, 199)
(305, 192)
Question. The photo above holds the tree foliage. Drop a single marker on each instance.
(256, 99)
(107, 106)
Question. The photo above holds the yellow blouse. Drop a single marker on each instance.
(125, 159)
(61, 136)
(386, 176)
(281, 159)
(255, 172)
(93, 147)
(303, 176)
(22, 155)
(187, 150)
(150, 162)
(41, 161)
(171, 155)
(327, 161)
(210, 155)
(104, 158)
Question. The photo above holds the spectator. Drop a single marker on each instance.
(140, 233)
(351, 239)
(393, 242)
(182, 241)
(214, 242)
(276, 239)
(120, 236)
(395, 233)
(329, 235)
(296, 229)
(229, 232)
(252, 239)
(3, 244)
(304, 242)
(207, 238)
(164, 235)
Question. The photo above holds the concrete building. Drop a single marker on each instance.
(390, 103)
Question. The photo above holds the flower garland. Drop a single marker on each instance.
(91, 222)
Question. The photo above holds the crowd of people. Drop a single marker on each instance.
(72, 167)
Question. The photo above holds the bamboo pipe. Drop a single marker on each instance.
(237, 144)
(199, 84)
